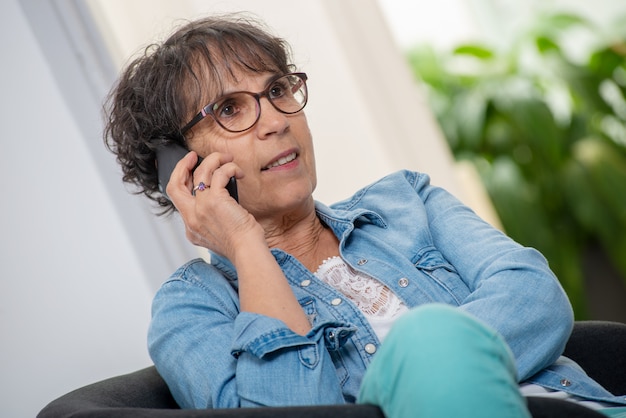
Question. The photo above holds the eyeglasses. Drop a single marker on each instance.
(239, 111)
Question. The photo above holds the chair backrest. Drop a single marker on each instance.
(599, 347)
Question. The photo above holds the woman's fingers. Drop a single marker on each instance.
(215, 182)
(181, 180)
(210, 215)
(213, 162)
(186, 177)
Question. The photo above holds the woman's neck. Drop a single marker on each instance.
(307, 239)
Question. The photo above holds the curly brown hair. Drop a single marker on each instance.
(160, 90)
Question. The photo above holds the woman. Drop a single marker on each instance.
(398, 296)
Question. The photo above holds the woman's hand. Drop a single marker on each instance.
(213, 219)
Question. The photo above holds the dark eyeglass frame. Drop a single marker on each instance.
(208, 109)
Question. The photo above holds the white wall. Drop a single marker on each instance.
(74, 302)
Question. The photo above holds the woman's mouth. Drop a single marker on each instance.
(281, 161)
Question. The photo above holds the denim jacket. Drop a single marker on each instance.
(419, 241)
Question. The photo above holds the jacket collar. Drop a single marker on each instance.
(341, 221)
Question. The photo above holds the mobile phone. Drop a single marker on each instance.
(167, 158)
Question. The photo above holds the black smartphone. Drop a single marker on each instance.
(167, 158)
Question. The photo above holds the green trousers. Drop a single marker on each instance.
(438, 361)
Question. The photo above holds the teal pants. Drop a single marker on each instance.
(438, 361)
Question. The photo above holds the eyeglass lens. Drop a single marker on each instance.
(240, 111)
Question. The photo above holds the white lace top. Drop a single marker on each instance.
(375, 300)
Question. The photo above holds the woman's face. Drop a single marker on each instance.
(276, 154)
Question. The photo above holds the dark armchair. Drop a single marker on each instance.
(598, 346)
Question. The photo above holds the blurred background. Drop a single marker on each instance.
(516, 107)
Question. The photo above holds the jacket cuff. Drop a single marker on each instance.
(260, 335)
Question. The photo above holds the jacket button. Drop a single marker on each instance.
(305, 283)
(335, 302)
(403, 282)
(565, 383)
(362, 261)
(370, 348)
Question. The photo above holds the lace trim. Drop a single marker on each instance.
(372, 297)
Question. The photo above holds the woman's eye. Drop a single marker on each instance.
(277, 90)
(226, 109)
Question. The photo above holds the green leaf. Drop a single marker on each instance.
(533, 124)
(545, 44)
(558, 23)
(478, 51)
(605, 61)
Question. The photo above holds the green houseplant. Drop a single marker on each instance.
(546, 130)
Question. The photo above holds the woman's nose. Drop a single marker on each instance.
(271, 121)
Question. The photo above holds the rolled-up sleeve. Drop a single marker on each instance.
(275, 363)
(213, 356)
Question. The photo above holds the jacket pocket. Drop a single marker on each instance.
(443, 274)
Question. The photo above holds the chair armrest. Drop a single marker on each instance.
(141, 389)
(144, 394)
(599, 347)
